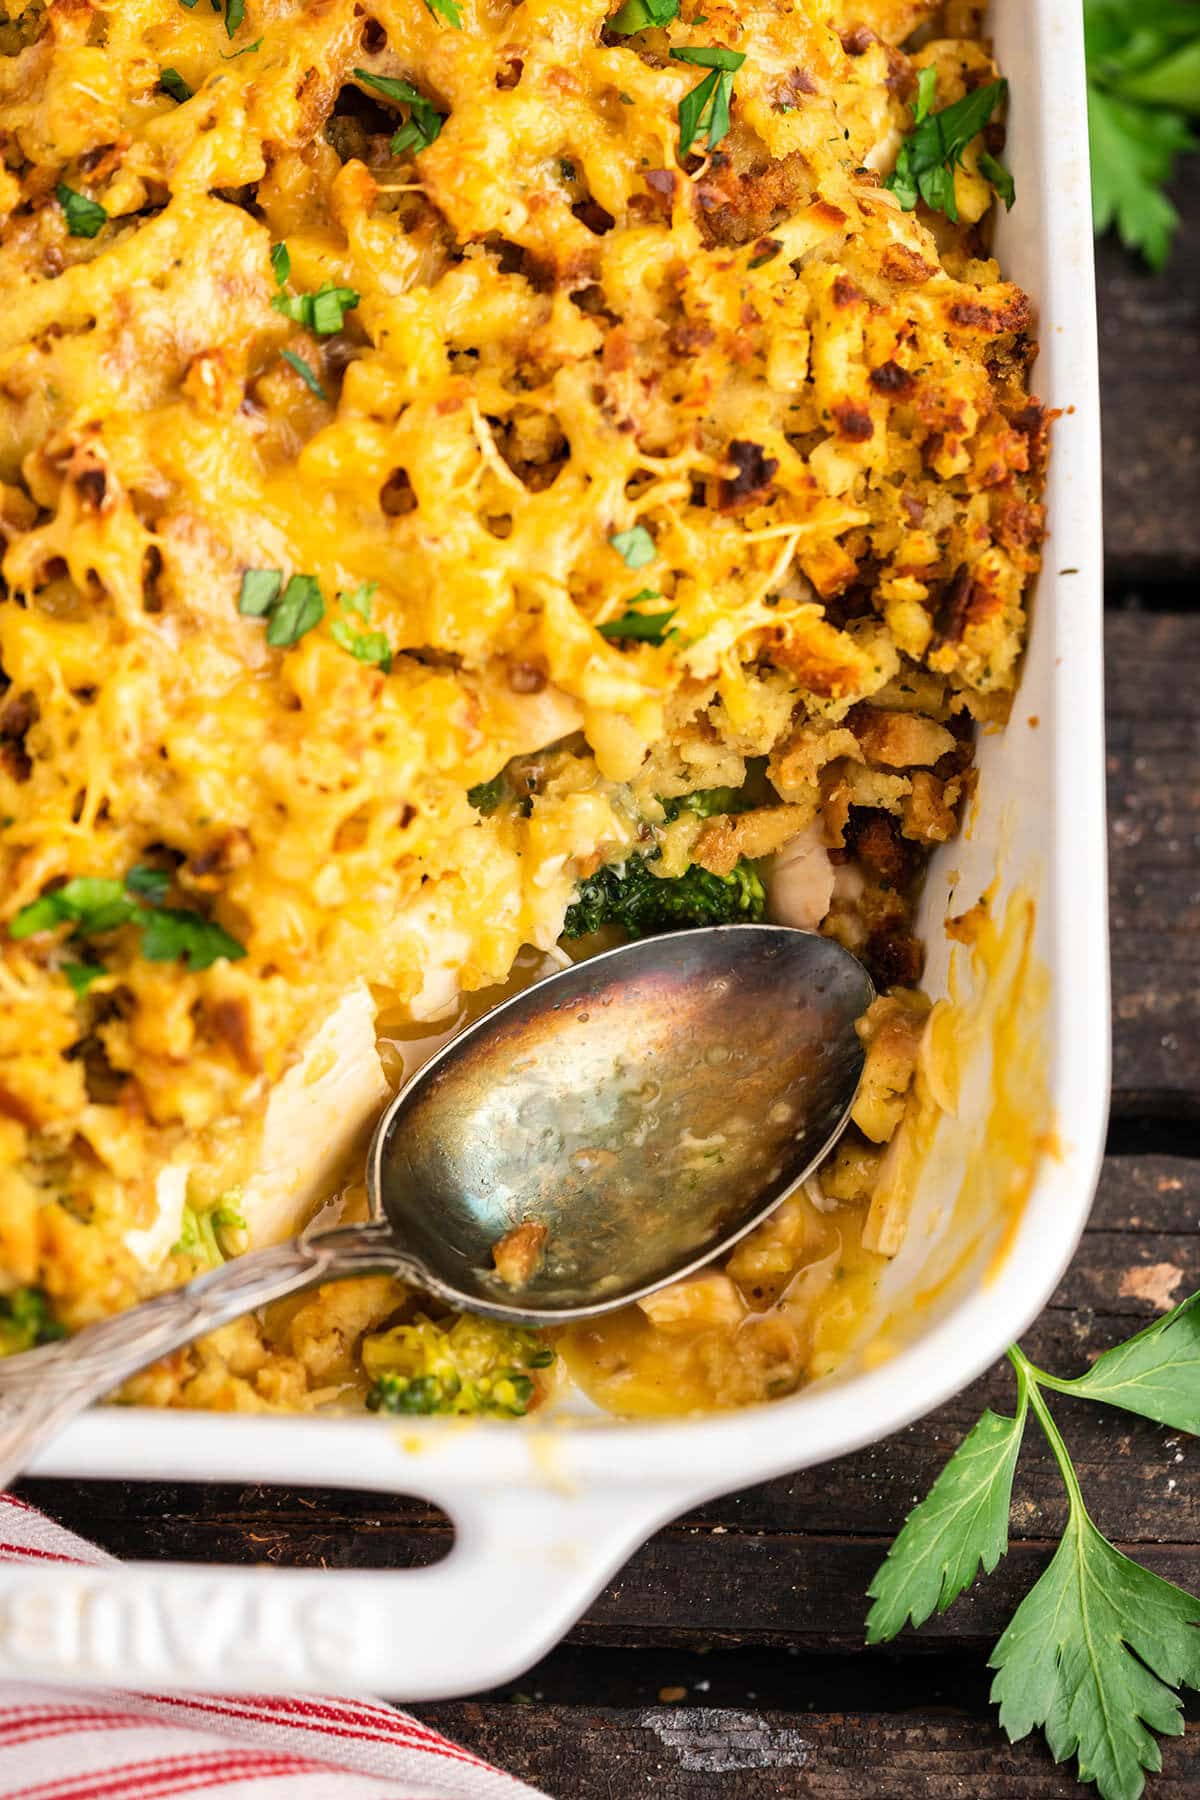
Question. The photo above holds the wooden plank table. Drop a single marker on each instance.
(726, 1660)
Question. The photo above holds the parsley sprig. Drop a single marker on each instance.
(84, 217)
(424, 119)
(934, 147)
(95, 904)
(1098, 1648)
(706, 109)
(289, 611)
(637, 624)
(365, 646)
(638, 15)
(323, 312)
(1143, 64)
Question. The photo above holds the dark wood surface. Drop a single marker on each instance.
(726, 1660)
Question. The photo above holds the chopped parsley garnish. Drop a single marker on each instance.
(637, 15)
(635, 547)
(289, 611)
(365, 646)
(322, 313)
(246, 50)
(934, 148)
(770, 250)
(446, 9)
(171, 934)
(281, 262)
(259, 591)
(297, 610)
(81, 976)
(84, 217)
(172, 82)
(148, 883)
(705, 111)
(304, 372)
(647, 627)
(424, 120)
(235, 12)
(1000, 178)
(95, 904)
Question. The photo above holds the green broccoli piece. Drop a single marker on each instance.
(209, 1234)
(26, 1321)
(705, 803)
(486, 796)
(628, 895)
(463, 1365)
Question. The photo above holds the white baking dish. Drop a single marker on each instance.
(544, 1515)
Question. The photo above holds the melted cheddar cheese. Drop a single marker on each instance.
(813, 403)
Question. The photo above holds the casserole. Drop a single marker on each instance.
(545, 1514)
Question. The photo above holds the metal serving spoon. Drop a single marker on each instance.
(646, 1107)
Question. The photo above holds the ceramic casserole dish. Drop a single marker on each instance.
(546, 1512)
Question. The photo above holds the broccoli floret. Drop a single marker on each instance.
(705, 802)
(210, 1234)
(486, 796)
(466, 1365)
(628, 895)
(26, 1321)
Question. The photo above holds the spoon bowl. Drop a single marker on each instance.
(643, 1109)
(620, 1123)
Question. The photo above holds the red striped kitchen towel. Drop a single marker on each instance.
(64, 1743)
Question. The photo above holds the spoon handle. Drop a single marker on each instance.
(40, 1390)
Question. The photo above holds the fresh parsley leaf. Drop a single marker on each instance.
(259, 591)
(770, 250)
(304, 372)
(246, 50)
(706, 110)
(424, 122)
(148, 883)
(84, 217)
(926, 94)
(172, 82)
(934, 148)
(961, 1523)
(360, 600)
(1133, 151)
(486, 796)
(1156, 1373)
(1095, 1651)
(635, 547)
(708, 56)
(235, 12)
(648, 628)
(299, 608)
(89, 902)
(1000, 178)
(81, 976)
(170, 934)
(96, 904)
(281, 262)
(637, 15)
(446, 9)
(365, 646)
(323, 312)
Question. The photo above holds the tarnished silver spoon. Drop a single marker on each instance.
(617, 1124)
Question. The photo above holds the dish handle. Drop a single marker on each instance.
(526, 1562)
